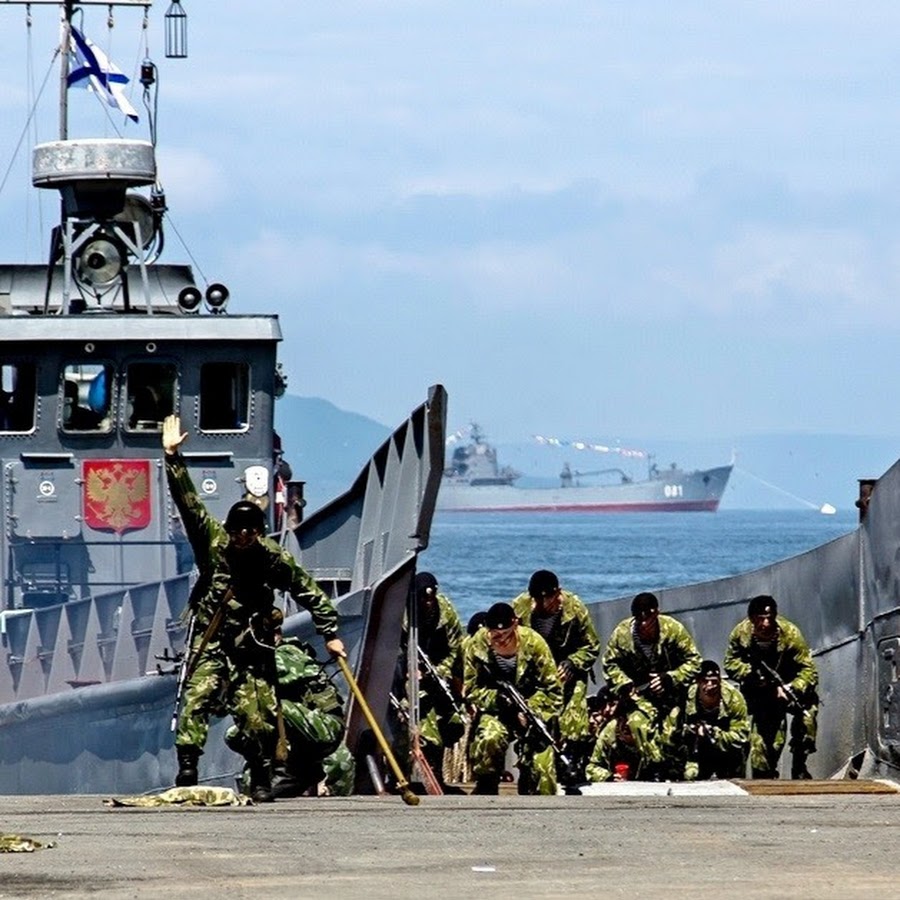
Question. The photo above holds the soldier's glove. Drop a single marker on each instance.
(567, 670)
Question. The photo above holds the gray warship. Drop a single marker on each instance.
(475, 482)
(96, 347)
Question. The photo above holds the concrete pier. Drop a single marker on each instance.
(698, 841)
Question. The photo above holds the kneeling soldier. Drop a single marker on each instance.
(716, 734)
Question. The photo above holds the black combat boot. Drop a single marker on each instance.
(799, 772)
(187, 766)
(260, 781)
(487, 784)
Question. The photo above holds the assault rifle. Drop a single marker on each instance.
(778, 681)
(535, 722)
(183, 671)
(445, 689)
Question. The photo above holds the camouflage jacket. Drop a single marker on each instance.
(253, 575)
(536, 677)
(676, 655)
(575, 639)
(732, 724)
(790, 658)
(302, 680)
(443, 645)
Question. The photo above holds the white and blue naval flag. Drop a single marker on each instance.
(95, 72)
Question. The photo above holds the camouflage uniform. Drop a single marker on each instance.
(643, 757)
(234, 673)
(724, 754)
(314, 723)
(439, 724)
(789, 656)
(496, 727)
(675, 655)
(575, 639)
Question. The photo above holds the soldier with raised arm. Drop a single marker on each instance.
(230, 655)
(769, 658)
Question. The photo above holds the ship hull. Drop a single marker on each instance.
(699, 491)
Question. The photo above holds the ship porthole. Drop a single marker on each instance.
(151, 347)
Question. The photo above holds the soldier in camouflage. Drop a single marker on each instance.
(440, 638)
(229, 663)
(313, 716)
(716, 734)
(504, 651)
(563, 621)
(769, 658)
(651, 659)
(626, 748)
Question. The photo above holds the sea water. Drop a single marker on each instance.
(480, 558)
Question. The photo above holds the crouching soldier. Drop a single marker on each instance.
(770, 660)
(311, 717)
(626, 748)
(716, 735)
(505, 663)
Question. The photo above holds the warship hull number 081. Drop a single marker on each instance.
(97, 346)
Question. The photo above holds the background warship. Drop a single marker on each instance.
(96, 347)
(474, 482)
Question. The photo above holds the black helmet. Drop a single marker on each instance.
(245, 514)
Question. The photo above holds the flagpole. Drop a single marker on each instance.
(64, 70)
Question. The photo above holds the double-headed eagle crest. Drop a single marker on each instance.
(117, 494)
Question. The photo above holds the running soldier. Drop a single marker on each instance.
(563, 621)
(440, 640)
(716, 734)
(498, 655)
(239, 570)
(769, 658)
(651, 659)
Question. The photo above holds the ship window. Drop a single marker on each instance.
(17, 396)
(224, 396)
(87, 392)
(150, 390)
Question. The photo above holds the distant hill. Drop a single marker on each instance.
(327, 447)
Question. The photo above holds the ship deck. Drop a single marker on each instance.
(812, 839)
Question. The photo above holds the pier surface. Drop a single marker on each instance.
(698, 841)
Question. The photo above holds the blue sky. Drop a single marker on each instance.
(594, 220)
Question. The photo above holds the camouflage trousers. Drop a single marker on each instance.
(219, 685)
(769, 730)
(706, 762)
(487, 752)
(574, 721)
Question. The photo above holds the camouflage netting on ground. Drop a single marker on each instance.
(17, 843)
(184, 796)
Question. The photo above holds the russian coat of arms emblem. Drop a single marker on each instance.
(116, 494)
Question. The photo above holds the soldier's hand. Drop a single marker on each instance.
(336, 647)
(657, 685)
(172, 435)
(565, 671)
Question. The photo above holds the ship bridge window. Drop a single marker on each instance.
(224, 396)
(87, 397)
(18, 396)
(150, 391)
